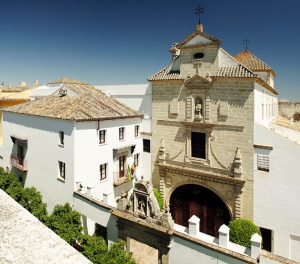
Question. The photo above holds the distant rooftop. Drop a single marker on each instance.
(77, 101)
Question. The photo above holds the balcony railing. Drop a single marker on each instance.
(19, 163)
(120, 177)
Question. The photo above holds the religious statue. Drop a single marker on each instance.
(198, 109)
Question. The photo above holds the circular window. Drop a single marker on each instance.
(198, 55)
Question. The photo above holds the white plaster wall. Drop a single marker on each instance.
(265, 106)
(184, 251)
(89, 154)
(276, 193)
(43, 154)
(139, 98)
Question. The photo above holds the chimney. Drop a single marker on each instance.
(200, 27)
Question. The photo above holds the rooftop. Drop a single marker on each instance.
(252, 62)
(77, 101)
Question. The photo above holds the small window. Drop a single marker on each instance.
(267, 236)
(61, 137)
(102, 136)
(146, 145)
(136, 130)
(263, 162)
(137, 159)
(198, 55)
(62, 169)
(103, 171)
(121, 133)
(198, 145)
(122, 166)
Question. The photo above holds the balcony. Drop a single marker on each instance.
(120, 177)
(19, 163)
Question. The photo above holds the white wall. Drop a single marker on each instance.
(89, 154)
(139, 98)
(43, 154)
(276, 193)
(265, 105)
(184, 251)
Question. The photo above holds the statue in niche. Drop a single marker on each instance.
(142, 207)
(198, 108)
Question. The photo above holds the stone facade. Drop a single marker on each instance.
(226, 118)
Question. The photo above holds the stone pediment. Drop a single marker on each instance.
(198, 38)
(197, 81)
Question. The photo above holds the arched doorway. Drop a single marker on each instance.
(191, 199)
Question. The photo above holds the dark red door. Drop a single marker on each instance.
(189, 200)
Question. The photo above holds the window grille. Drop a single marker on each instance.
(263, 162)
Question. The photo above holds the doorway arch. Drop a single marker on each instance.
(191, 199)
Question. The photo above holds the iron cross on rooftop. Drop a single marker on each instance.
(199, 11)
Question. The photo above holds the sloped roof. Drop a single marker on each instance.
(238, 71)
(248, 59)
(198, 33)
(82, 102)
(165, 74)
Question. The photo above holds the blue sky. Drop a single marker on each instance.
(115, 42)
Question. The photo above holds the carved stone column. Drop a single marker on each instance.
(238, 202)
(162, 173)
(188, 144)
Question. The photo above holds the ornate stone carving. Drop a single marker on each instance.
(237, 164)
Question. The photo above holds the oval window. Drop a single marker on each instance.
(198, 56)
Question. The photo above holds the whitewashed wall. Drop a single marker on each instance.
(265, 105)
(139, 98)
(43, 154)
(89, 154)
(276, 193)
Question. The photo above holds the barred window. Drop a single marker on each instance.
(136, 159)
(136, 130)
(263, 162)
(103, 171)
(102, 136)
(62, 169)
(121, 133)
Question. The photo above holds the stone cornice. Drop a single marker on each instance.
(197, 124)
(202, 174)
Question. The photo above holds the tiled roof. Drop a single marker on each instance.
(234, 72)
(252, 62)
(165, 74)
(81, 103)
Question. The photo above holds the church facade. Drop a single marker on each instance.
(204, 105)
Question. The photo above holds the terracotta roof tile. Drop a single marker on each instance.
(234, 72)
(165, 74)
(81, 103)
(252, 62)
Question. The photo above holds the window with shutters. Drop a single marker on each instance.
(263, 162)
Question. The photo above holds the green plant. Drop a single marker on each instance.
(117, 255)
(93, 247)
(159, 198)
(10, 183)
(241, 231)
(65, 222)
(32, 200)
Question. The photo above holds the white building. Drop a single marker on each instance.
(139, 98)
(276, 169)
(76, 137)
